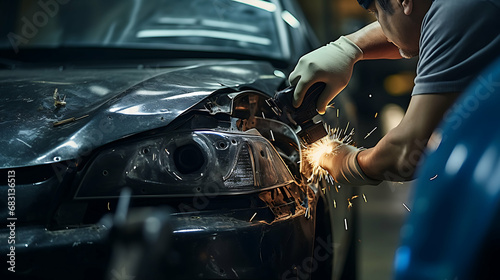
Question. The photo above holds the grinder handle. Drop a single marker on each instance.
(307, 110)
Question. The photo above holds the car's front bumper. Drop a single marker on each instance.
(267, 242)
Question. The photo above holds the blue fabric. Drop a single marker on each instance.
(459, 38)
(457, 193)
(365, 3)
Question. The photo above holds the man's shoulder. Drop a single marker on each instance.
(457, 41)
(459, 14)
(448, 5)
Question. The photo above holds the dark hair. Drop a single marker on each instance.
(386, 5)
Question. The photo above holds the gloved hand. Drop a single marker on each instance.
(343, 166)
(331, 64)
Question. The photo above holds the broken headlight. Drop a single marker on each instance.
(184, 164)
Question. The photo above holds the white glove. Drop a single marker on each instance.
(331, 64)
(343, 166)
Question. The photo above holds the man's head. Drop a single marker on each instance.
(365, 3)
(384, 4)
(400, 20)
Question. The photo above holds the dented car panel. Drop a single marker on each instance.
(143, 100)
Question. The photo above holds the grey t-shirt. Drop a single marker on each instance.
(459, 38)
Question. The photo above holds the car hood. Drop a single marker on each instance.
(104, 105)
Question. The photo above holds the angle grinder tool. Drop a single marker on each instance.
(282, 106)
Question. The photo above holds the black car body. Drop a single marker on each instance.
(165, 99)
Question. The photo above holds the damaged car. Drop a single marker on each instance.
(112, 107)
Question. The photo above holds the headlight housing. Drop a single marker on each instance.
(184, 163)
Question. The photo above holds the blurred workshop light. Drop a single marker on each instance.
(268, 6)
(159, 33)
(400, 83)
(456, 160)
(290, 19)
(390, 117)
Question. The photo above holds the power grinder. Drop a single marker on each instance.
(300, 117)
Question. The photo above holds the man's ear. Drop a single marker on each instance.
(407, 6)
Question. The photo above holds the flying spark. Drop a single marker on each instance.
(315, 153)
(376, 114)
(349, 201)
(364, 197)
(255, 214)
(345, 223)
(272, 135)
(370, 133)
(406, 207)
(435, 176)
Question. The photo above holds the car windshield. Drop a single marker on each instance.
(226, 26)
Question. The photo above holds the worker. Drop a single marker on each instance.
(454, 40)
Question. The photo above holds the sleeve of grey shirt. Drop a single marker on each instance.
(459, 38)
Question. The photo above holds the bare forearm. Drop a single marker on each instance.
(372, 41)
(392, 161)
